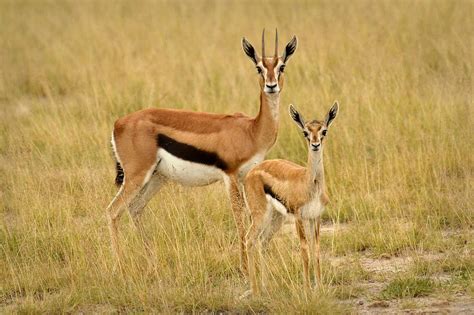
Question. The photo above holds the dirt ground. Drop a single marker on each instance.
(387, 267)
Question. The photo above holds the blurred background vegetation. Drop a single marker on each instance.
(399, 160)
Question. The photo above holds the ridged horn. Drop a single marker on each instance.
(263, 43)
(276, 42)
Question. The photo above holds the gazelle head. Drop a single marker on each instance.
(270, 69)
(315, 131)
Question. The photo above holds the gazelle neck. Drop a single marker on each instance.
(315, 168)
(266, 122)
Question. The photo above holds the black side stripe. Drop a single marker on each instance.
(190, 153)
(268, 190)
(120, 174)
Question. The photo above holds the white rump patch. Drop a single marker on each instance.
(114, 147)
(187, 173)
(117, 158)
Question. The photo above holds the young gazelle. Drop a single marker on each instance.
(277, 188)
(153, 146)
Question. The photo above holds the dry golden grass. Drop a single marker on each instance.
(399, 160)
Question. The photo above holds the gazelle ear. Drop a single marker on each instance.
(290, 49)
(296, 116)
(331, 114)
(249, 50)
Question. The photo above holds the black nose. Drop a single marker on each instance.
(315, 147)
(272, 86)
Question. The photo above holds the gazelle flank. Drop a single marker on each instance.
(153, 146)
(277, 188)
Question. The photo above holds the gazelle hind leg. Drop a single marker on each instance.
(144, 196)
(140, 201)
(121, 201)
(304, 251)
(273, 222)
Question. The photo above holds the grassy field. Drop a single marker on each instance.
(398, 233)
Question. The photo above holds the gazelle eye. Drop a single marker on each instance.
(282, 68)
(305, 134)
(259, 70)
(325, 131)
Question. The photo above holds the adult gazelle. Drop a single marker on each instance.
(156, 145)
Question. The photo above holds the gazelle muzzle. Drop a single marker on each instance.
(271, 88)
(315, 146)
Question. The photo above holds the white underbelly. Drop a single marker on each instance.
(312, 209)
(185, 172)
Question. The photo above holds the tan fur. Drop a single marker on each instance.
(235, 139)
(295, 187)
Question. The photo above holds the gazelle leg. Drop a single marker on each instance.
(261, 217)
(141, 200)
(310, 225)
(136, 206)
(253, 262)
(259, 208)
(237, 204)
(121, 201)
(253, 251)
(316, 251)
(304, 251)
(274, 223)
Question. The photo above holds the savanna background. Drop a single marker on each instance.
(398, 233)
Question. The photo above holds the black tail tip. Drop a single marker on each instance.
(120, 175)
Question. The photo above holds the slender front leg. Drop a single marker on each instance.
(253, 254)
(304, 252)
(317, 264)
(237, 203)
(253, 246)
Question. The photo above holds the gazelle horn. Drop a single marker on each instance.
(263, 43)
(276, 43)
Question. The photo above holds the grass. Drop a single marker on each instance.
(399, 161)
(407, 287)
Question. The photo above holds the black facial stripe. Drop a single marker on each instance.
(268, 190)
(190, 153)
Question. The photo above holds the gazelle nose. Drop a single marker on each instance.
(315, 147)
(271, 86)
